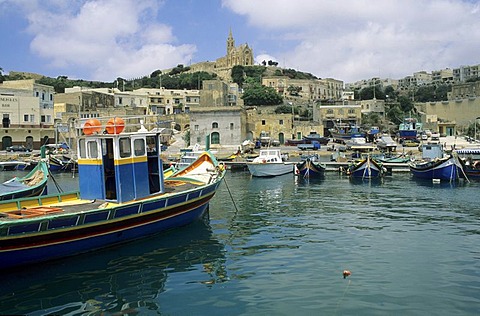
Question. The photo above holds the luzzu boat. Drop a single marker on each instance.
(366, 168)
(33, 184)
(447, 168)
(123, 195)
(310, 169)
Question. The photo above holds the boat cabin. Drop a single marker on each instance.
(119, 166)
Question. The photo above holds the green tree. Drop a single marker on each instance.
(256, 94)
(368, 94)
(441, 92)
(406, 105)
(390, 91)
(395, 114)
(238, 76)
(425, 93)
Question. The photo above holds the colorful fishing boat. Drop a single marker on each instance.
(123, 195)
(33, 184)
(310, 169)
(446, 168)
(366, 168)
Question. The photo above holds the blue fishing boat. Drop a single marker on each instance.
(123, 195)
(366, 168)
(310, 169)
(409, 128)
(446, 168)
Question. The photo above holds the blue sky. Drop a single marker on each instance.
(348, 40)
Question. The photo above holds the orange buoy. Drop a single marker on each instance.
(92, 126)
(115, 125)
(346, 273)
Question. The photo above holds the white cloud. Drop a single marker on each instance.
(359, 39)
(109, 38)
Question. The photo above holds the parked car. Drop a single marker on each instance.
(19, 148)
(410, 143)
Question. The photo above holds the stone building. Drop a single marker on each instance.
(27, 113)
(224, 126)
(331, 115)
(219, 93)
(449, 117)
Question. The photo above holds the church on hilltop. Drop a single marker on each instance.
(241, 55)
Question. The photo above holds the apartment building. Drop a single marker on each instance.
(463, 73)
(27, 113)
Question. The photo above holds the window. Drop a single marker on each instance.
(120, 100)
(280, 122)
(196, 128)
(231, 126)
(263, 122)
(215, 138)
(32, 118)
(25, 117)
(139, 147)
(81, 148)
(124, 145)
(214, 125)
(329, 111)
(92, 149)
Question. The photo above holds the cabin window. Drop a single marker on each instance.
(125, 149)
(139, 147)
(81, 148)
(92, 149)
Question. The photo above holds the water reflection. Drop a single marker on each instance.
(126, 279)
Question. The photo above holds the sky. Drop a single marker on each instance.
(348, 40)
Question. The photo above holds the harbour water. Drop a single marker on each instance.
(279, 246)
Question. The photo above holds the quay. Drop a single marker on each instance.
(331, 166)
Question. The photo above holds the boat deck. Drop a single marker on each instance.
(71, 203)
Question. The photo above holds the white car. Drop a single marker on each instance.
(424, 137)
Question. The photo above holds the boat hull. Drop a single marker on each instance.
(269, 169)
(71, 234)
(442, 169)
(17, 188)
(310, 169)
(366, 169)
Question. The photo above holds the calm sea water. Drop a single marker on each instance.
(278, 247)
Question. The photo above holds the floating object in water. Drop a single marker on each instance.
(346, 273)
(436, 180)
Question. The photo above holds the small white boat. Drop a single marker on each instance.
(269, 164)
